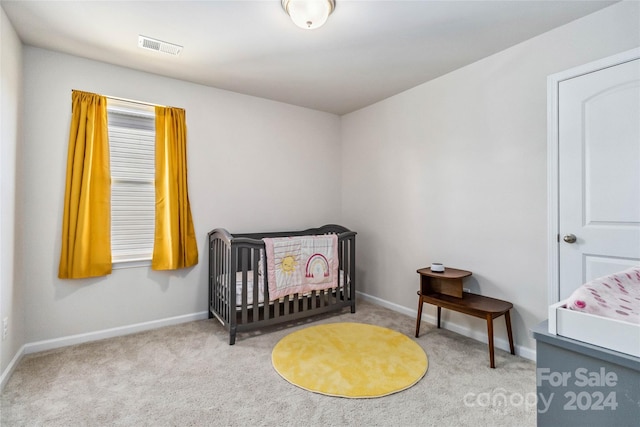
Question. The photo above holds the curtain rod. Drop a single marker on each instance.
(132, 101)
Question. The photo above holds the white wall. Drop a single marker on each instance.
(454, 171)
(10, 137)
(280, 148)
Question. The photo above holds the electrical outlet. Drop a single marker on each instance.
(467, 290)
(5, 328)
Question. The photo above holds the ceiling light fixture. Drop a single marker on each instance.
(309, 14)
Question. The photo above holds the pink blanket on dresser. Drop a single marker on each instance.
(301, 264)
(616, 296)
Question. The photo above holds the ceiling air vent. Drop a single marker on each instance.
(159, 46)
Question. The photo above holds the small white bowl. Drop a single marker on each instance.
(437, 267)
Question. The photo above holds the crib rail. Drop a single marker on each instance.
(239, 289)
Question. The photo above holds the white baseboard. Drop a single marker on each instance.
(38, 346)
(481, 336)
(51, 344)
(11, 367)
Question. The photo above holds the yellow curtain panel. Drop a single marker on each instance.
(175, 244)
(86, 227)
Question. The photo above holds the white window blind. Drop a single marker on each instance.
(132, 155)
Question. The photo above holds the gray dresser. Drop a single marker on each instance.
(580, 384)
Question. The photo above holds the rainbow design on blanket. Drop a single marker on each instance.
(317, 267)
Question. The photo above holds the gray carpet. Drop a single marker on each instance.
(188, 375)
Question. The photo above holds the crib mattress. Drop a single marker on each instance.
(250, 277)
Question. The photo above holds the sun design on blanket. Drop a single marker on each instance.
(288, 264)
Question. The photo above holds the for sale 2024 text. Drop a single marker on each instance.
(596, 396)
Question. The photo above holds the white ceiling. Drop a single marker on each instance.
(367, 51)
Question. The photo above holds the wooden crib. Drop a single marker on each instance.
(238, 285)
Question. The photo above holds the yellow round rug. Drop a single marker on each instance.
(349, 360)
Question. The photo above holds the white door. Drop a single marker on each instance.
(598, 174)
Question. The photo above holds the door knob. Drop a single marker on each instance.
(569, 238)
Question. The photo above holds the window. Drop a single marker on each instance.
(132, 161)
(118, 185)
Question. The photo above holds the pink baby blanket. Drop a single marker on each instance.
(301, 264)
(616, 296)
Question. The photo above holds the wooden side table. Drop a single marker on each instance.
(445, 290)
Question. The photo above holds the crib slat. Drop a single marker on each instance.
(352, 270)
(228, 300)
(231, 296)
(256, 284)
(223, 296)
(341, 271)
(226, 289)
(220, 280)
(244, 254)
(217, 277)
(212, 282)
